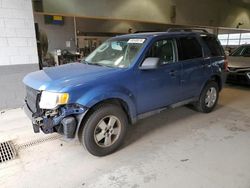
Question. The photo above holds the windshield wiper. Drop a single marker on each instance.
(101, 65)
(85, 62)
(96, 64)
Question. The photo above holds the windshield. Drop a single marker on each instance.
(116, 53)
(242, 51)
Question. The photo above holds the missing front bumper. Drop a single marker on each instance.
(65, 122)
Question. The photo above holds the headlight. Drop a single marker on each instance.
(50, 100)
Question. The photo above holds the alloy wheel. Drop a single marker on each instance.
(107, 131)
(211, 97)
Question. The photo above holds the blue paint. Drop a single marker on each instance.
(141, 90)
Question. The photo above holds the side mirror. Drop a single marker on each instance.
(150, 63)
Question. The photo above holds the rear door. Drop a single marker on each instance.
(215, 53)
(190, 54)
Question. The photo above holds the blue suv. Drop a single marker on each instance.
(127, 78)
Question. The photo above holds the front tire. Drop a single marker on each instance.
(208, 98)
(104, 130)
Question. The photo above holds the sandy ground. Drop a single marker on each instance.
(177, 148)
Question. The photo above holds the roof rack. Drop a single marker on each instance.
(187, 30)
(150, 31)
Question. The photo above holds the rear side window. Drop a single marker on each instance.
(189, 48)
(213, 45)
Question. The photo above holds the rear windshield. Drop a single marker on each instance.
(213, 45)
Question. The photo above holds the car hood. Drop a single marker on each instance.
(238, 62)
(70, 75)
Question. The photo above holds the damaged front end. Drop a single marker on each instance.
(65, 119)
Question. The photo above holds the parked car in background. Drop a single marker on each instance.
(127, 78)
(239, 66)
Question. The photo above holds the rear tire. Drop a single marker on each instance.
(104, 130)
(208, 98)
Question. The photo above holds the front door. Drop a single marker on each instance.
(159, 87)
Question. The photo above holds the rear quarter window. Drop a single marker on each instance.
(189, 48)
(213, 45)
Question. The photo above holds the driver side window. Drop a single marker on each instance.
(163, 49)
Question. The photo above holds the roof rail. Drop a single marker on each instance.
(150, 31)
(187, 30)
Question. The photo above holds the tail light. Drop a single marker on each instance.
(226, 64)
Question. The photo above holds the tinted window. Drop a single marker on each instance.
(189, 48)
(213, 45)
(163, 49)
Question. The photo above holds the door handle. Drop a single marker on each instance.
(172, 73)
(206, 66)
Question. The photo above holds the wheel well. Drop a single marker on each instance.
(114, 101)
(118, 102)
(217, 79)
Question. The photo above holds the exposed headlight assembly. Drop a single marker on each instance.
(50, 100)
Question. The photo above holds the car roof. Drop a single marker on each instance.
(159, 34)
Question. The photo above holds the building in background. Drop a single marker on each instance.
(18, 50)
